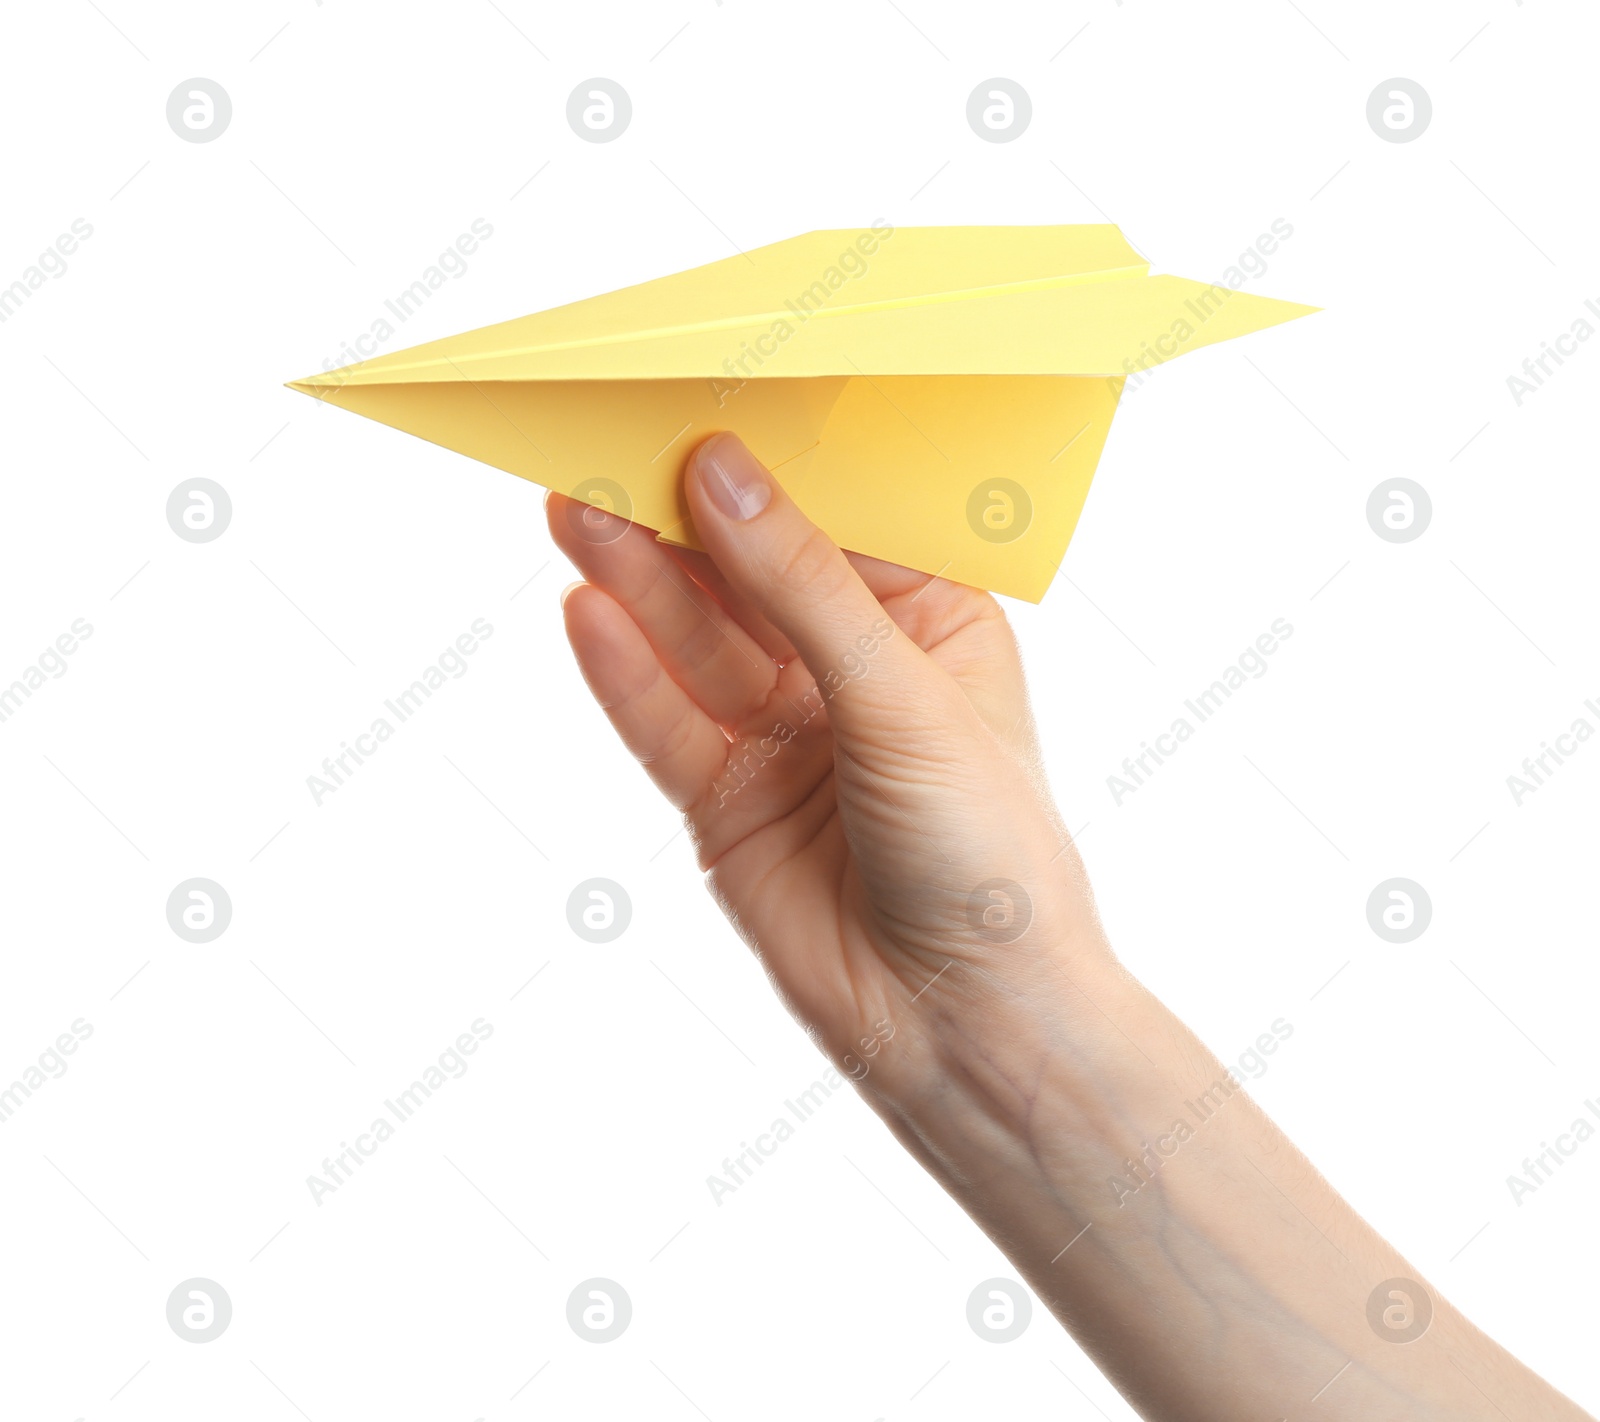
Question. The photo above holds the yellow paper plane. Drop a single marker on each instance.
(934, 396)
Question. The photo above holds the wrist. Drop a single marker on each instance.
(1003, 1071)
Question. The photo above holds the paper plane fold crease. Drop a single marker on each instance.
(935, 396)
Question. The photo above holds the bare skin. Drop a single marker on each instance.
(851, 745)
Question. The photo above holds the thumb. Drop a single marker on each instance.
(796, 576)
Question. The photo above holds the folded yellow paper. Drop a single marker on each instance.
(935, 396)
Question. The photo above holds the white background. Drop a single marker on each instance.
(369, 932)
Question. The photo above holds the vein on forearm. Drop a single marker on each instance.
(1157, 1275)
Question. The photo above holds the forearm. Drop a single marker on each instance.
(1173, 1229)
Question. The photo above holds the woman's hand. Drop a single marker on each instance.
(852, 747)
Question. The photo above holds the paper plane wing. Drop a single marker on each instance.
(938, 397)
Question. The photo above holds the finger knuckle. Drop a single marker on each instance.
(812, 568)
